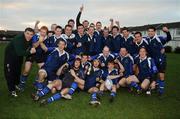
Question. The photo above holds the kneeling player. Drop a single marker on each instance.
(146, 70)
(110, 77)
(127, 61)
(54, 61)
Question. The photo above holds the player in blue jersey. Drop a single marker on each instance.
(105, 57)
(39, 57)
(157, 52)
(116, 40)
(70, 38)
(127, 62)
(81, 39)
(146, 71)
(55, 60)
(93, 74)
(110, 77)
(128, 41)
(139, 43)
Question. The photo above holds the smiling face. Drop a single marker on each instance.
(80, 29)
(151, 32)
(123, 52)
(77, 64)
(96, 63)
(138, 38)
(125, 33)
(68, 31)
(142, 53)
(28, 35)
(106, 51)
(58, 31)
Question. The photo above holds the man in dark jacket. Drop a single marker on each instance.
(20, 46)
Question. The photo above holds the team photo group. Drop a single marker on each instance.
(88, 57)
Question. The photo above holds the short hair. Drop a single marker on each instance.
(115, 27)
(152, 27)
(138, 32)
(44, 28)
(71, 20)
(80, 25)
(67, 26)
(111, 62)
(98, 22)
(58, 27)
(29, 29)
(84, 54)
(85, 21)
(61, 39)
(125, 28)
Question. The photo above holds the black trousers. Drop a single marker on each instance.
(12, 69)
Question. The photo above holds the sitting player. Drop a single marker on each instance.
(93, 74)
(110, 77)
(54, 61)
(61, 84)
(146, 71)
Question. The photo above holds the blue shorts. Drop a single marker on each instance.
(161, 63)
(51, 76)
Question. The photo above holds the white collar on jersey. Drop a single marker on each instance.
(60, 54)
(142, 59)
(64, 36)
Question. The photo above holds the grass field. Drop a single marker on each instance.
(126, 106)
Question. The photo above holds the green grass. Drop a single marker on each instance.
(126, 106)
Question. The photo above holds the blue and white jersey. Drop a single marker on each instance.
(82, 41)
(71, 42)
(155, 46)
(127, 63)
(116, 43)
(91, 45)
(144, 43)
(55, 60)
(128, 43)
(146, 67)
(107, 42)
(51, 43)
(105, 59)
(107, 73)
(99, 43)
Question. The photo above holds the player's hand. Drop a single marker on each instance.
(37, 22)
(165, 29)
(162, 51)
(33, 50)
(81, 8)
(116, 61)
(111, 20)
(117, 22)
(79, 44)
(102, 65)
(41, 39)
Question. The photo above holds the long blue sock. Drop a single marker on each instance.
(135, 85)
(113, 94)
(73, 88)
(55, 97)
(43, 92)
(22, 81)
(94, 96)
(161, 87)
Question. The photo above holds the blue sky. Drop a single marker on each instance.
(18, 14)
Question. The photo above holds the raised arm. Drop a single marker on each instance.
(36, 28)
(79, 16)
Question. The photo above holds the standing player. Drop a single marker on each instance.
(116, 40)
(157, 52)
(128, 41)
(39, 57)
(81, 39)
(13, 60)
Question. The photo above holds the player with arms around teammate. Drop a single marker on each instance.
(19, 47)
